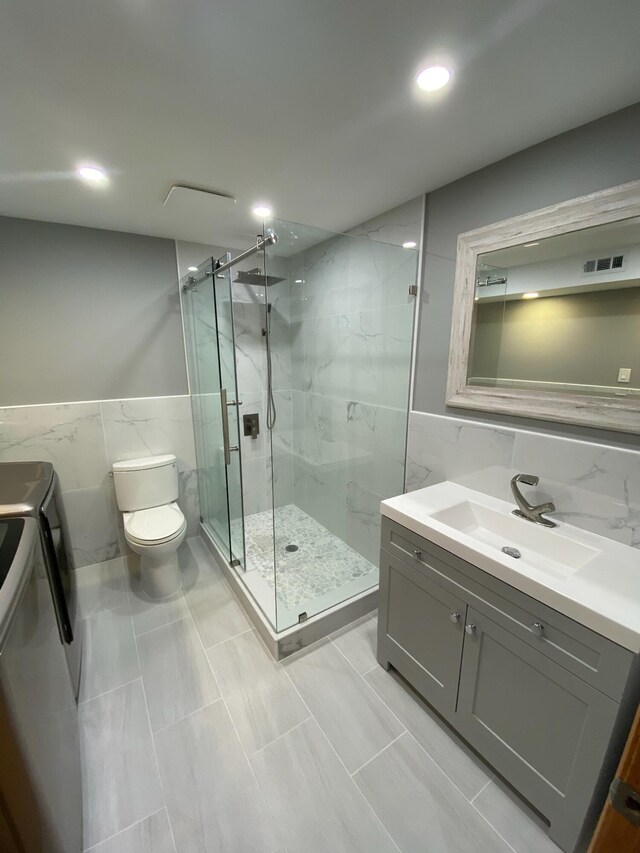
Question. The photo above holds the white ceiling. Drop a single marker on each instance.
(309, 104)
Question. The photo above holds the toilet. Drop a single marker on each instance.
(154, 526)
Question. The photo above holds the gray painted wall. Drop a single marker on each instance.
(87, 314)
(590, 158)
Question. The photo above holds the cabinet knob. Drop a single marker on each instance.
(455, 617)
(417, 553)
(537, 628)
(470, 629)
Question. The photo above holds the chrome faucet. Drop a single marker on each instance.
(527, 510)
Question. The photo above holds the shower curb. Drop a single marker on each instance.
(281, 644)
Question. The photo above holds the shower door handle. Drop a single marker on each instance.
(225, 426)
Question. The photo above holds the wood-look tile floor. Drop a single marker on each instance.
(195, 741)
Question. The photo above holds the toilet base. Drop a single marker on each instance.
(160, 578)
(160, 573)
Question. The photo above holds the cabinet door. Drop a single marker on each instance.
(545, 730)
(420, 632)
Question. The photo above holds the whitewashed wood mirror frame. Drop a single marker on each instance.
(613, 412)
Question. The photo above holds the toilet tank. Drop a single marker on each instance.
(147, 482)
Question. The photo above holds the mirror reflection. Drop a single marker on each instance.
(561, 314)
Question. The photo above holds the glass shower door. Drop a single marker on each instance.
(214, 399)
(230, 412)
(341, 334)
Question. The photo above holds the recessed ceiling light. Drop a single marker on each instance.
(192, 269)
(531, 295)
(527, 245)
(262, 210)
(92, 175)
(410, 244)
(433, 78)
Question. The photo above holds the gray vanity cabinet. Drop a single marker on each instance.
(542, 699)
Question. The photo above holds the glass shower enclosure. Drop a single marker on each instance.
(299, 362)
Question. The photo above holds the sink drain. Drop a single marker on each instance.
(512, 552)
(291, 548)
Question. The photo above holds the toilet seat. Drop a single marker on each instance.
(154, 526)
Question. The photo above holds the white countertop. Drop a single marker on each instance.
(603, 595)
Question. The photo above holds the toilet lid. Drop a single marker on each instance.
(154, 524)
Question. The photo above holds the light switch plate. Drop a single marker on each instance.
(624, 374)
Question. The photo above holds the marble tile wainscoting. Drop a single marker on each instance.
(82, 440)
(594, 486)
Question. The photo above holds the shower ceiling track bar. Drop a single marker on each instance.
(261, 242)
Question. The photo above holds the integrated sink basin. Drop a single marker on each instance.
(543, 549)
(589, 578)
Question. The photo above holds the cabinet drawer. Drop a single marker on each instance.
(594, 658)
(420, 632)
(404, 543)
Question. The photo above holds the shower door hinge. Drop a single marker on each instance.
(302, 617)
(413, 290)
(234, 563)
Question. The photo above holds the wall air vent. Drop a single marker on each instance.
(603, 264)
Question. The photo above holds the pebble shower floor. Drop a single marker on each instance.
(321, 563)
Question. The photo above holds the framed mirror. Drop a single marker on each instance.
(546, 315)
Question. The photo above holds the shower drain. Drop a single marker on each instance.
(291, 548)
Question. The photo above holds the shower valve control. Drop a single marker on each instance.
(251, 424)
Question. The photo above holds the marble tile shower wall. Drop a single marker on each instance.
(258, 463)
(594, 486)
(351, 331)
(83, 439)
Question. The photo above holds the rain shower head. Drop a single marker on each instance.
(256, 276)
